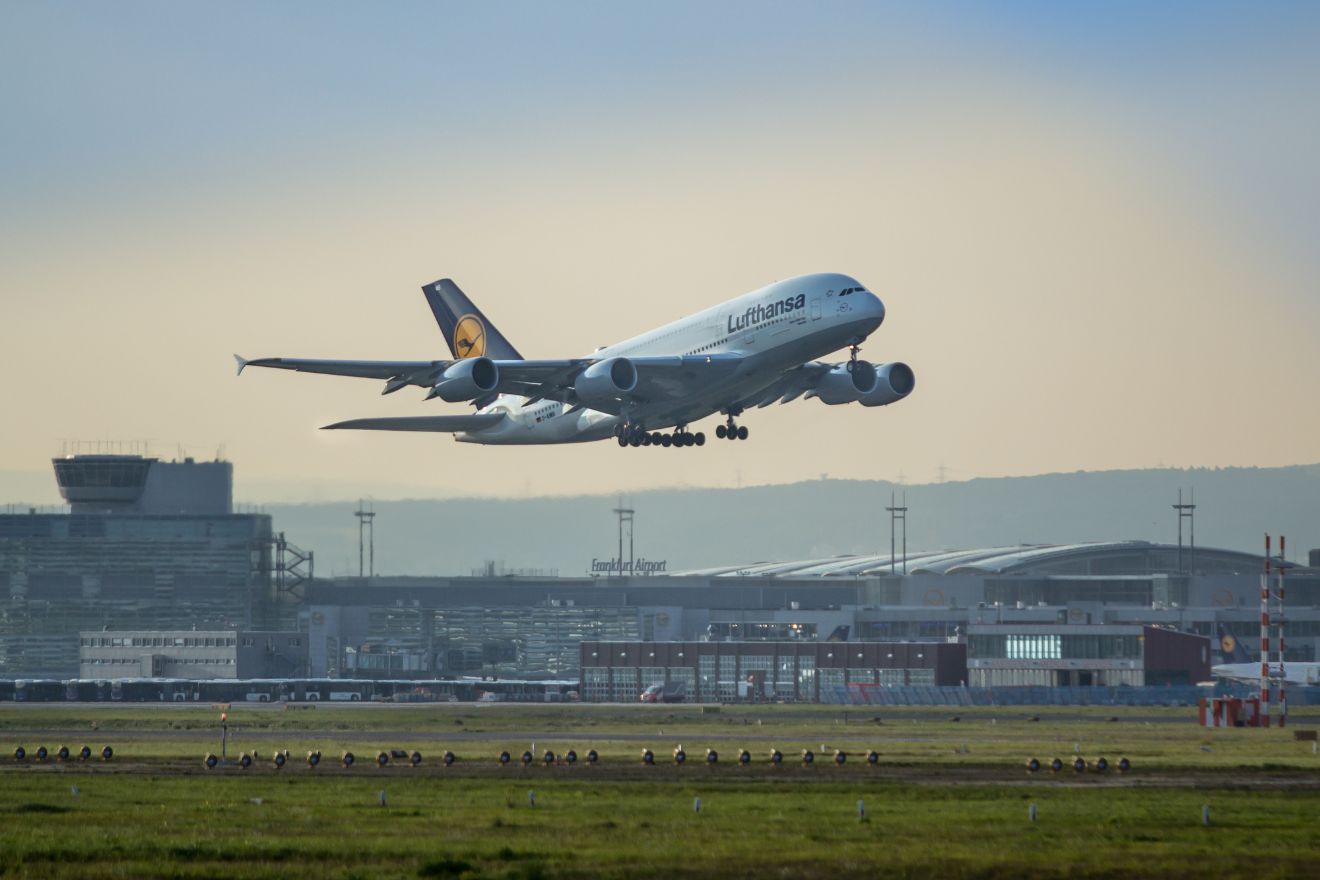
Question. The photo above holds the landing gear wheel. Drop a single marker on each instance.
(699, 439)
(623, 441)
(666, 440)
(742, 432)
(852, 357)
(721, 431)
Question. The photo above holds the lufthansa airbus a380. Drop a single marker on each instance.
(758, 349)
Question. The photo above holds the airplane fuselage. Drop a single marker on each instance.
(772, 330)
(1300, 673)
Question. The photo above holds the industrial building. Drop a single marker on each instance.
(192, 654)
(802, 671)
(1084, 655)
(146, 544)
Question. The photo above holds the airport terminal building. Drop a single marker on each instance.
(1089, 603)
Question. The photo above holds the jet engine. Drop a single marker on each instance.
(606, 381)
(865, 383)
(841, 385)
(894, 381)
(466, 379)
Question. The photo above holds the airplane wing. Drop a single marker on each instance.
(660, 379)
(421, 423)
(396, 374)
(789, 386)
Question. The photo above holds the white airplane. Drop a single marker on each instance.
(1238, 665)
(748, 352)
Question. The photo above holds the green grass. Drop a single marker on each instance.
(933, 808)
(902, 736)
(318, 827)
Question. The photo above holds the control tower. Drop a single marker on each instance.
(144, 486)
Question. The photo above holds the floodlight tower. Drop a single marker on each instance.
(625, 515)
(897, 513)
(1186, 512)
(366, 526)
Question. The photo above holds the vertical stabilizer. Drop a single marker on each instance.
(467, 331)
(1230, 649)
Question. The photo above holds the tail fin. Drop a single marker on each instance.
(468, 332)
(840, 634)
(1230, 648)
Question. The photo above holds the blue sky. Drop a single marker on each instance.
(279, 178)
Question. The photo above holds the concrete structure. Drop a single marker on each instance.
(192, 654)
(1084, 655)
(799, 671)
(148, 486)
(147, 544)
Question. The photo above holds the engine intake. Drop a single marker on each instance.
(466, 379)
(894, 381)
(606, 381)
(841, 385)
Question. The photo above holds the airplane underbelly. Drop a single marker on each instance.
(758, 371)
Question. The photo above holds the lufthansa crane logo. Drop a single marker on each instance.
(1228, 643)
(469, 337)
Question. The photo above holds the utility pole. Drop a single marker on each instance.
(1186, 511)
(625, 515)
(897, 513)
(366, 525)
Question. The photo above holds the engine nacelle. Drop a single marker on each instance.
(466, 379)
(841, 385)
(606, 381)
(894, 382)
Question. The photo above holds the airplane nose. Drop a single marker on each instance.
(875, 307)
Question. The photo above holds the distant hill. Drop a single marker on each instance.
(699, 527)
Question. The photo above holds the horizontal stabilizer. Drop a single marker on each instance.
(441, 424)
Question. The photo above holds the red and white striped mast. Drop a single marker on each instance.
(1265, 639)
(1279, 620)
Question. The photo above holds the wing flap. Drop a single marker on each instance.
(439, 424)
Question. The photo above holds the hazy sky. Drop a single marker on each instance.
(1094, 226)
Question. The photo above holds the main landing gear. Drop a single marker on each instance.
(730, 431)
(635, 435)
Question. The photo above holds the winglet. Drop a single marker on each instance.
(241, 364)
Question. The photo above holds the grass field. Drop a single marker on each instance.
(949, 799)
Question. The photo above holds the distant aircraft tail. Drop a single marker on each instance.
(840, 634)
(468, 332)
(1230, 649)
